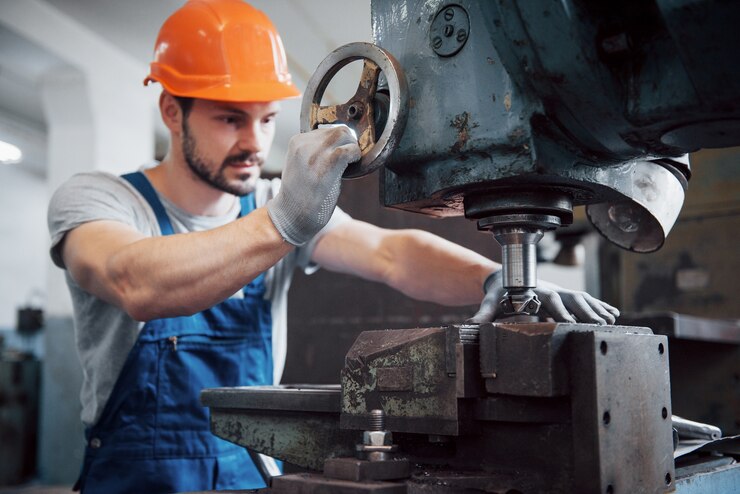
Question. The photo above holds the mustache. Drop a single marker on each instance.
(246, 156)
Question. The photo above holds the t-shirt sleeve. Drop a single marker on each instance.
(268, 189)
(90, 197)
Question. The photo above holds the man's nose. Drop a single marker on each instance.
(250, 139)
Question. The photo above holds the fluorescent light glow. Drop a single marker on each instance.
(9, 153)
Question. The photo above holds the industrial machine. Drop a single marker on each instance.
(511, 113)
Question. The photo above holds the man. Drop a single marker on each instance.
(179, 272)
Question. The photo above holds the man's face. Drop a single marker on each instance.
(225, 144)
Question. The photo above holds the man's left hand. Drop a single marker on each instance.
(561, 304)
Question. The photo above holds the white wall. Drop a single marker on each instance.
(23, 239)
(98, 117)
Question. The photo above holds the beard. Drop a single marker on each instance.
(216, 176)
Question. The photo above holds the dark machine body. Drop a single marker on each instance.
(512, 113)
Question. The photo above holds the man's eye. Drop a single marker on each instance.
(230, 120)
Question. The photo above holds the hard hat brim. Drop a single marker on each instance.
(238, 93)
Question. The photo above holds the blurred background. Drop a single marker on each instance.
(72, 100)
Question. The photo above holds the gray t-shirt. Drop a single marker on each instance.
(104, 333)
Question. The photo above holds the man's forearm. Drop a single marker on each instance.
(183, 274)
(427, 267)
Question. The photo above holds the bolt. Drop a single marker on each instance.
(437, 42)
(462, 35)
(449, 30)
(377, 420)
(354, 111)
(449, 14)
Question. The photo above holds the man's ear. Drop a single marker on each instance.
(171, 113)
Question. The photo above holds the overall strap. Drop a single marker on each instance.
(257, 286)
(142, 184)
(248, 203)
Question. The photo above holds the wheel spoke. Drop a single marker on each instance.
(368, 81)
(330, 114)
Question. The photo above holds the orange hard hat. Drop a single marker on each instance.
(221, 50)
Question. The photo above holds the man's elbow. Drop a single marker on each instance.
(139, 311)
(138, 300)
(144, 308)
(136, 303)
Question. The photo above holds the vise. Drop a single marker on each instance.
(527, 408)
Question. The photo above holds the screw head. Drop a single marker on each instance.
(449, 30)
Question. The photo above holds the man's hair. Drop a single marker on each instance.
(186, 104)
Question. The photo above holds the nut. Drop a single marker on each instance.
(377, 438)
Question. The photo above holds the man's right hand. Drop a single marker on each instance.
(311, 182)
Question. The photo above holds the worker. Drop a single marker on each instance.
(179, 271)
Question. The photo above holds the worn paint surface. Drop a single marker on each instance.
(432, 393)
(302, 439)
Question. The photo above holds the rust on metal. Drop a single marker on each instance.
(463, 125)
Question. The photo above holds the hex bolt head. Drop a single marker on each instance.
(377, 438)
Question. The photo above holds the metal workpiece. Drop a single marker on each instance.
(469, 334)
(377, 117)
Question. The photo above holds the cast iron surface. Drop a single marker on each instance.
(309, 398)
(556, 95)
(298, 425)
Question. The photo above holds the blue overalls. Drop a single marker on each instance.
(154, 435)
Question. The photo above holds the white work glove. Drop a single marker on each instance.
(311, 182)
(561, 304)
